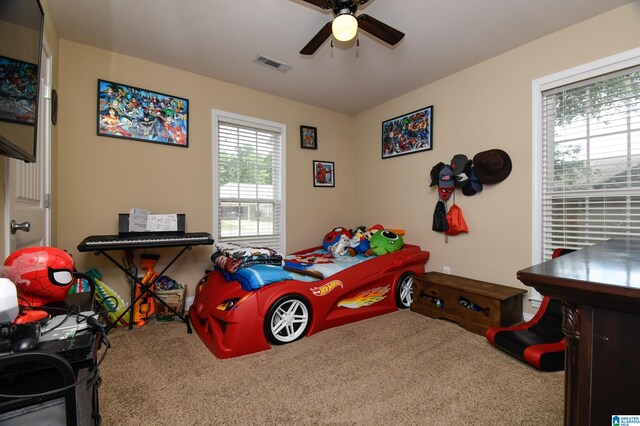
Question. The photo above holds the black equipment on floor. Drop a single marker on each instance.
(56, 381)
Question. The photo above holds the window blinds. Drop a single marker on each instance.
(591, 161)
(250, 199)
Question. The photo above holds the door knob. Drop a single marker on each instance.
(24, 226)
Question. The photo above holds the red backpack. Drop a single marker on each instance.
(456, 221)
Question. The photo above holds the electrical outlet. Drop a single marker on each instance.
(446, 269)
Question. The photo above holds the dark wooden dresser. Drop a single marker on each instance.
(599, 287)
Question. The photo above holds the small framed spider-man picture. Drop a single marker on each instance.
(324, 173)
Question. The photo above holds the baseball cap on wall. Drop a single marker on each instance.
(475, 182)
(435, 173)
(458, 162)
(446, 179)
(466, 184)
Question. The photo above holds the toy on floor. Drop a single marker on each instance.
(107, 299)
(144, 307)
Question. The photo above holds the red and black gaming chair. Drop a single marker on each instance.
(539, 341)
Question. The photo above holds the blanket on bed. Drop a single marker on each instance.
(231, 257)
(256, 276)
(312, 266)
(320, 264)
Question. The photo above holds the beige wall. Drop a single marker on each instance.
(99, 177)
(483, 107)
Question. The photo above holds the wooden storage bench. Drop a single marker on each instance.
(475, 305)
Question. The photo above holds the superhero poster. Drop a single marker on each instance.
(132, 113)
(18, 91)
(407, 134)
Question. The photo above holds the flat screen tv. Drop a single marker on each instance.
(21, 28)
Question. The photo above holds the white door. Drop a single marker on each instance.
(28, 184)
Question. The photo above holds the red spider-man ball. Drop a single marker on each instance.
(41, 274)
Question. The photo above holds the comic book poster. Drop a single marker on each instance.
(132, 113)
(408, 133)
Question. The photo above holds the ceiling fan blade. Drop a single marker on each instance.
(379, 29)
(317, 40)
(323, 4)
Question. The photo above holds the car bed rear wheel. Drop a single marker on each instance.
(404, 290)
(287, 320)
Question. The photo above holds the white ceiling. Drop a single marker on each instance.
(221, 38)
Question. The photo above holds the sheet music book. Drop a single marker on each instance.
(140, 220)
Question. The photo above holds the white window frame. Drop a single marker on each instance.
(538, 86)
(218, 116)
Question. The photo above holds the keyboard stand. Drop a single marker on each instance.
(94, 243)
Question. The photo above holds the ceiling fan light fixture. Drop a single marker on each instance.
(344, 27)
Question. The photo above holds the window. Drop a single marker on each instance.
(588, 155)
(248, 181)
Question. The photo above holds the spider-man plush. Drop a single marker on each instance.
(41, 274)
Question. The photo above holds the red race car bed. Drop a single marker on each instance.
(286, 306)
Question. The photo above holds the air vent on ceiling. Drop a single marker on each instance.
(272, 63)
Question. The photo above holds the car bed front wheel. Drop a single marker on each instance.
(287, 320)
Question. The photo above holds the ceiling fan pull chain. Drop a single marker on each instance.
(332, 44)
(357, 42)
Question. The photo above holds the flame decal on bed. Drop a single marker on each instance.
(327, 288)
(365, 298)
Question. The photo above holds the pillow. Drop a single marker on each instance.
(256, 276)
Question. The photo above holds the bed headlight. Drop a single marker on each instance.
(228, 304)
(233, 304)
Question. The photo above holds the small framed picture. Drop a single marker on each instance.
(308, 137)
(324, 173)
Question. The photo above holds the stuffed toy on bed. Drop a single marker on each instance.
(385, 241)
(341, 247)
(337, 241)
(360, 242)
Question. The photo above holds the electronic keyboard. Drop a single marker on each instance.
(144, 240)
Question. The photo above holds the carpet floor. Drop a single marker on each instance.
(399, 368)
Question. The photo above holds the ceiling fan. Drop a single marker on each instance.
(345, 25)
